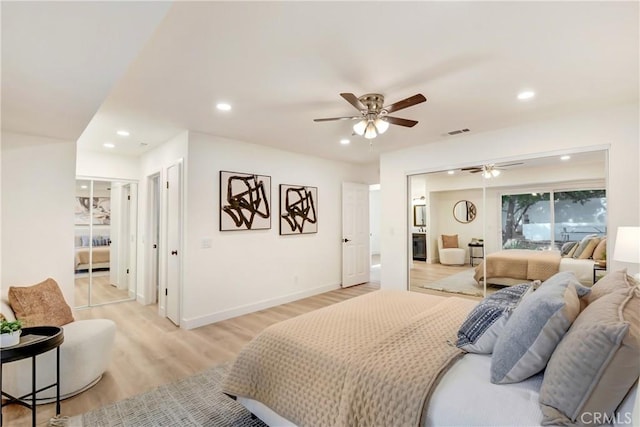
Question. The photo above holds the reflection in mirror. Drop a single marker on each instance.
(464, 211)
(543, 203)
(105, 241)
(419, 215)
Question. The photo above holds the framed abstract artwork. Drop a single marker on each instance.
(298, 209)
(245, 201)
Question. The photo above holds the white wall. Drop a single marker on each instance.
(249, 270)
(615, 127)
(102, 165)
(38, 190)
(444, 201)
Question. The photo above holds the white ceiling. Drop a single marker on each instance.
(282, 64)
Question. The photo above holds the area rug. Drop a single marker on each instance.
(195, 401)
(461, 283)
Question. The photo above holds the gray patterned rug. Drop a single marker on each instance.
(461, 283)
(193, 401)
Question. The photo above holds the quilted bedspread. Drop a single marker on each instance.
(368, 361)
(520, 264)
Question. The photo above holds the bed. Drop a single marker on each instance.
(513, 266)
(387, 358)
(96, 256)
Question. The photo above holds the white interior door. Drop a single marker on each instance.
(174, 246)
(355, 234)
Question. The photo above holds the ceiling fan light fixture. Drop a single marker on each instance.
(381, 125)
(370, 131)
(360, 127)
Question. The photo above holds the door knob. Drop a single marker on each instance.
(174, 252)
(346, 240)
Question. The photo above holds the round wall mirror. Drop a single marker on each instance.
(464, 211)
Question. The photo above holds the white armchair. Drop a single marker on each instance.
(84, 356)
(449, 252)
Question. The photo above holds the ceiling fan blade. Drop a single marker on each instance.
(408, 102)
(402, 122)
(337, 118)
(510, 164)
(472, 168)
(353, 100)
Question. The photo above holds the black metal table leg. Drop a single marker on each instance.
(33, 391)
(58, 381)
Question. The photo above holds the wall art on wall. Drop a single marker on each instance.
(101, 210)
(245, 201)
(298, 209)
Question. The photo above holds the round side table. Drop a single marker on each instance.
(34, 341)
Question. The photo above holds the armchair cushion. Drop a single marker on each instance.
(41, 304)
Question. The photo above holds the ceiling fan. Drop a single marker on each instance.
(490, 170)
(374, 118)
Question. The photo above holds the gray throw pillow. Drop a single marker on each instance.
(480, 330)
(596, 363)
(535, 329)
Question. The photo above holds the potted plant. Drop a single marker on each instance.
(10, 332)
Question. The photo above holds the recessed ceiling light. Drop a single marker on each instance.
(344, 141)
(566, 157)
(223, 106)
(527, 94)
(123, 132)
(108, 145)
(451, 172)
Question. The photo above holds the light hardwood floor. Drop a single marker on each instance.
(102, 291)
(151, 351)
(422, 273)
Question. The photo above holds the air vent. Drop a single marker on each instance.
(457, 132)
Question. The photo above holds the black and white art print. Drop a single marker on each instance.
(298, 209)
(245, 201)
(96, 211)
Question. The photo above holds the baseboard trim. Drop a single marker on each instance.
(196, 322)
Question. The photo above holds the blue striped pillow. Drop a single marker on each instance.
(480, 331)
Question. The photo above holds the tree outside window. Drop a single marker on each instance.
(527, 222)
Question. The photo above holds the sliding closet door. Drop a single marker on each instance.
(105, 237)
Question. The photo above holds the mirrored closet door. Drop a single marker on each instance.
(105, 241)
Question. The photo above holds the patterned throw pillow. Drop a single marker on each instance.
(40, 305)
(480, 331)
(536, 328)
(567, 247)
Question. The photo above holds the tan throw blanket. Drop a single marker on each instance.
(369, 361)
(520, 264)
